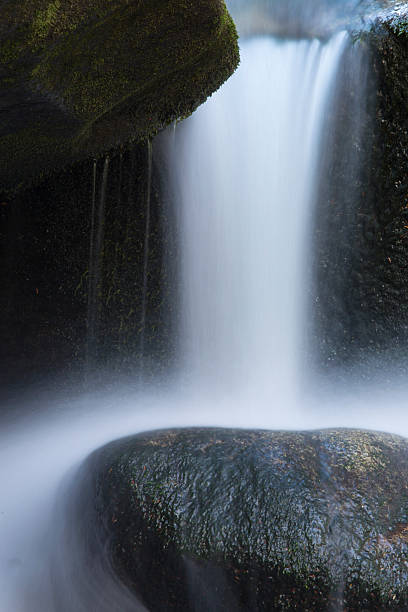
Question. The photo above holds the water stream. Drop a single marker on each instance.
(95, 257)
(146, 250)
(245, 230)
(247, 173)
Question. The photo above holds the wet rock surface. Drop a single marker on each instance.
(360, 300)
(46, 235)
(82, 85)
(225, 519)
(80, 78)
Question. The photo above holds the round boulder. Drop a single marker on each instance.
(227, 519)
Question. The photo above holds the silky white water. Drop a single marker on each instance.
(248, 168)
(248, 164)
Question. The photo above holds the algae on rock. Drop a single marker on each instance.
(77, 79)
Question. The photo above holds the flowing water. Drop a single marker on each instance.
(95, 256)
(247, 174)
(244, 231)
(146, 250)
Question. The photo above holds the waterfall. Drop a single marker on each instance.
(146, 251)
(91, 271)
(249, 161)
(249, 164)
(95, 256)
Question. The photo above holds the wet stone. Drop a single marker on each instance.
(229, 519)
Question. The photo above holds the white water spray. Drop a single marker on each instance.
(249, 167)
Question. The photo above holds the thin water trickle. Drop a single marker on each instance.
(146, 249)
(91, 272)
(95, 256)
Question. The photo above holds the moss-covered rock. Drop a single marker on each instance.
(224, 519)
(78, 78)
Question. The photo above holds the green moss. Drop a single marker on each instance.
(9, 51)
(400, 27)
(114, 71)
(111, 73)
(45, 20)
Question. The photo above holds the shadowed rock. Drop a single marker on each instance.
(360, 299)
(79, 78)
(224, 519)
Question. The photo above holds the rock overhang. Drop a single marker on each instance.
(78, 79)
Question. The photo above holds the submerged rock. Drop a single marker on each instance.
(225, 519)
(79, 78)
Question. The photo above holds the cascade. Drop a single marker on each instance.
(248, 166)
(95, 255)
(146, 251)
(250, 162)
(92, 263)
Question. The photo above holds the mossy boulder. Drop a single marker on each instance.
(79, 78)
(225, 519)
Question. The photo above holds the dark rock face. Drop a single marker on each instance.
(361, 296)
(86, 268)
(47, 275)
(223, 519)
(80, 78)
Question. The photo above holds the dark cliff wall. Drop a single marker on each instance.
(50, 322)
(360, 294)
